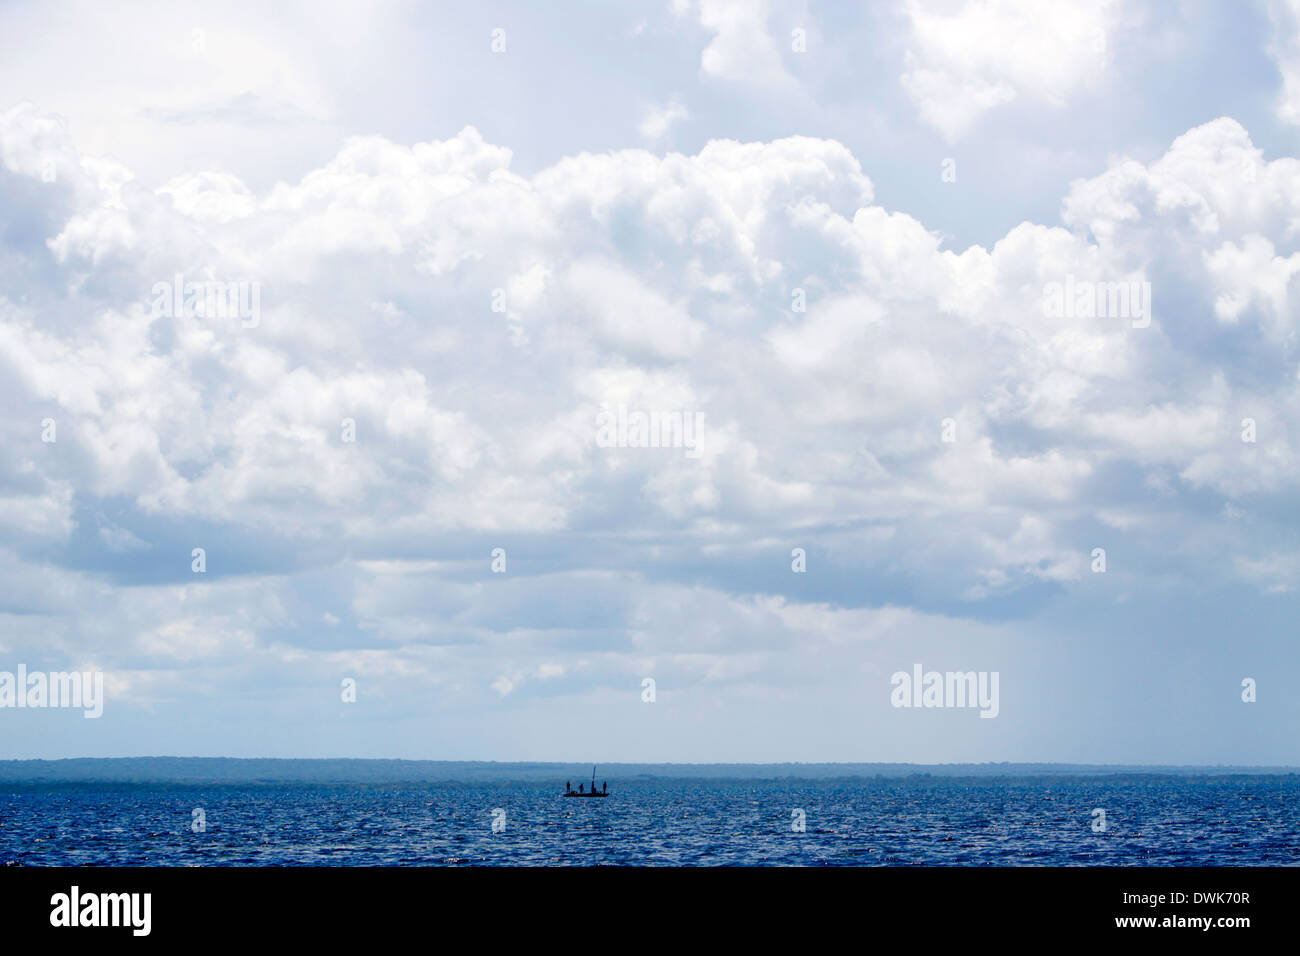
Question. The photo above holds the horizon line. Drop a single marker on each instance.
(675, 763)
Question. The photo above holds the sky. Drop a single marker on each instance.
(376, 506)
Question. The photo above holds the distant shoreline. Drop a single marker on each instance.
(343, 771)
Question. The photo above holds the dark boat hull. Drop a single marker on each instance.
(586, 794)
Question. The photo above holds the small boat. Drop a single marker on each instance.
(593, 792)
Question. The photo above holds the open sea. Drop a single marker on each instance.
(659, 822)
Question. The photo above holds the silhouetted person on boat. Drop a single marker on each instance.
(568, 787)
(604, 787)
(580, 788)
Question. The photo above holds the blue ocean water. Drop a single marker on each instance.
(659, 822)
